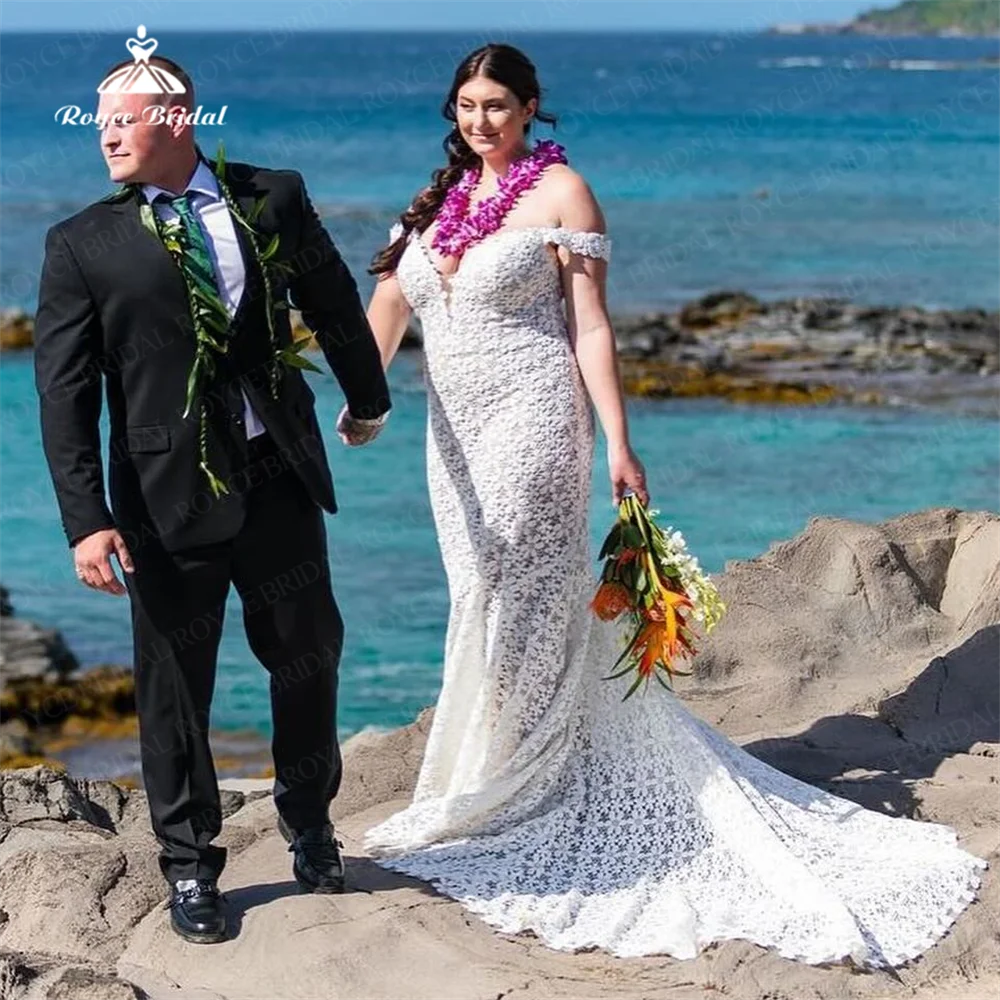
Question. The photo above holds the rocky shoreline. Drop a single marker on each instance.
(725, 345)
(801, 351)
(54, 714)
(860, 658)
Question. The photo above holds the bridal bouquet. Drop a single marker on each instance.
(650, 577)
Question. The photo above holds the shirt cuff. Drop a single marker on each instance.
(370, 421)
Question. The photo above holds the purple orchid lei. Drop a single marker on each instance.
(457, 230)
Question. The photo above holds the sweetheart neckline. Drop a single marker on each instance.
(499, 232)
(447, 280)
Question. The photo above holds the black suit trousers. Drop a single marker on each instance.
(278, 562)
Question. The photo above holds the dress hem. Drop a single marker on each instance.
(965, 895)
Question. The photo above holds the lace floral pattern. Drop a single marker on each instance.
(544, 802)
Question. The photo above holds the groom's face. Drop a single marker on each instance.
(131, 144)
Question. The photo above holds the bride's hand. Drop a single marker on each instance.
(627, 472)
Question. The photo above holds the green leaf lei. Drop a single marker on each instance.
(209, 317)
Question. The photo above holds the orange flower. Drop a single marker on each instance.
(660, 639)
(610, 601)
(668, 601)
(649, 647)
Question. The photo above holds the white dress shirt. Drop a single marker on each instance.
(220, 234)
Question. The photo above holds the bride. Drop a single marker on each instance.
(545, 803)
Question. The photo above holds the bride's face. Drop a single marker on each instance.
(491, 118)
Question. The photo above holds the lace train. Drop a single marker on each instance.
(662, 836)
(546, 804)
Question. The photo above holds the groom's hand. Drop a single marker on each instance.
(354, 431)
(92, 557)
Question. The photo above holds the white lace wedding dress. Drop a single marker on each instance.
(544, 802)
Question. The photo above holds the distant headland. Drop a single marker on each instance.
(941, 18)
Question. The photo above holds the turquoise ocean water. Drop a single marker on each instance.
(782, 166)
(732, 478)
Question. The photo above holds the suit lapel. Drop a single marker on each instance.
(144, 249)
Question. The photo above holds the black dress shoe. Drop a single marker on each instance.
(318, 866)
(196, 911)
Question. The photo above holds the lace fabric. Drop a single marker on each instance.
(546, 804)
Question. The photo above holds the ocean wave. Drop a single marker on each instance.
(791, 62)
(904, 65)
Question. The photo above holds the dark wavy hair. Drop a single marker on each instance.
(503, 64)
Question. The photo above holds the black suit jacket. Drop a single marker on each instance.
(113, 308)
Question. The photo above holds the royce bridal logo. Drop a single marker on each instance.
(141, 77)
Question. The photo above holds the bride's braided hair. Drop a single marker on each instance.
(503, 64)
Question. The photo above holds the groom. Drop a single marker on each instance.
(234, 492)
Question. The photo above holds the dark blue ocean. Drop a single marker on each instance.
(782, 166)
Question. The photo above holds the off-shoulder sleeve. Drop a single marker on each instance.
(395, 232)
(578, 241)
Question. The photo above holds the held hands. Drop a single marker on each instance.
(91, 556)
(354, 431)
(627, 473)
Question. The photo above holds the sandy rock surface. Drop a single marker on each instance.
(861, 658)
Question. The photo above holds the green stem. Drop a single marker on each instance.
(273, 371)
(645, 528)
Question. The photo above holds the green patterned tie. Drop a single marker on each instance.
(197, 259)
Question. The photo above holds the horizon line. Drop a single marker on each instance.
(357, 30)
(396, 31)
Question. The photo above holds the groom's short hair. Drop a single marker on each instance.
(168, 64)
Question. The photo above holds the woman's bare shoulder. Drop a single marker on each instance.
(563, 181)
(571, 199)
